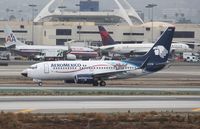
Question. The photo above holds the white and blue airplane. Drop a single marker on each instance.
(109, 45)
(96, 72)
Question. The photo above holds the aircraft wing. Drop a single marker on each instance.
(103, 48)
(110, 75)
(94, 47)
(121, 74)
(106, 48)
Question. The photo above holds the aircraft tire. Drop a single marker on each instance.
(132, 53)
(40, 84)
(95, 83)
(102, 83)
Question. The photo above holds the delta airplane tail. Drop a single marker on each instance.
(157, 57)
(10, 38)
(106, 38)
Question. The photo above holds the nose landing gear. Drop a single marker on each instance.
(39, 82)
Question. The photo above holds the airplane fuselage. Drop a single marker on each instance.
(140, 48)
(68, 70)
(31, 50)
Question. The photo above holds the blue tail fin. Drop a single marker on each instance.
(157, 56)
(105, 36)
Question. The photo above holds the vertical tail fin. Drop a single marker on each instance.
(160, 51)
(157, 56)
(105, 36)
(10, 38)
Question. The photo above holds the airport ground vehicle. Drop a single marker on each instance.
(52, 55)
(192, 59)
(4, 54)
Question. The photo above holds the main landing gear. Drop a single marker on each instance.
(101, 83)
(40, 83)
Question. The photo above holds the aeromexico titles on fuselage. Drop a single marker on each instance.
(120, 65)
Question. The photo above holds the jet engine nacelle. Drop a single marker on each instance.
(69, 81)
(71, 57)
(84, 79)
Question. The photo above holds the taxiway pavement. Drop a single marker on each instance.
(166, 80)
(66, 104)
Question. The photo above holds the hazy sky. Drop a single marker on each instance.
(191, 7)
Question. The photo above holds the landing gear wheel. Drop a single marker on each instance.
(95, 83)
(39, 83)
(132, 53)
(102, 83)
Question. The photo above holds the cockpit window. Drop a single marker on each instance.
(33, 67)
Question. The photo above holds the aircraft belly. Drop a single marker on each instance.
(63, 76)
(25, 54)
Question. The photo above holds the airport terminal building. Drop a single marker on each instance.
(124, 25)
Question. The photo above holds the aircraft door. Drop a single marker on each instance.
(46, 68)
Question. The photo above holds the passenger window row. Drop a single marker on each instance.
(76, 68)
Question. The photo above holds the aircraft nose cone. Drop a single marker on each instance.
(24, 73)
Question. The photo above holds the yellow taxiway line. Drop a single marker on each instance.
(196, 110)
(25, 111)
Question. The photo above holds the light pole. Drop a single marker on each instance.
(148, 12)
(20, 16)
(8, 11)
(151, 6)
(33, 10)
(79, 27)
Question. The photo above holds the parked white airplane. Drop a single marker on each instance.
(32, 50)
(95, 72)
(110, 45)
